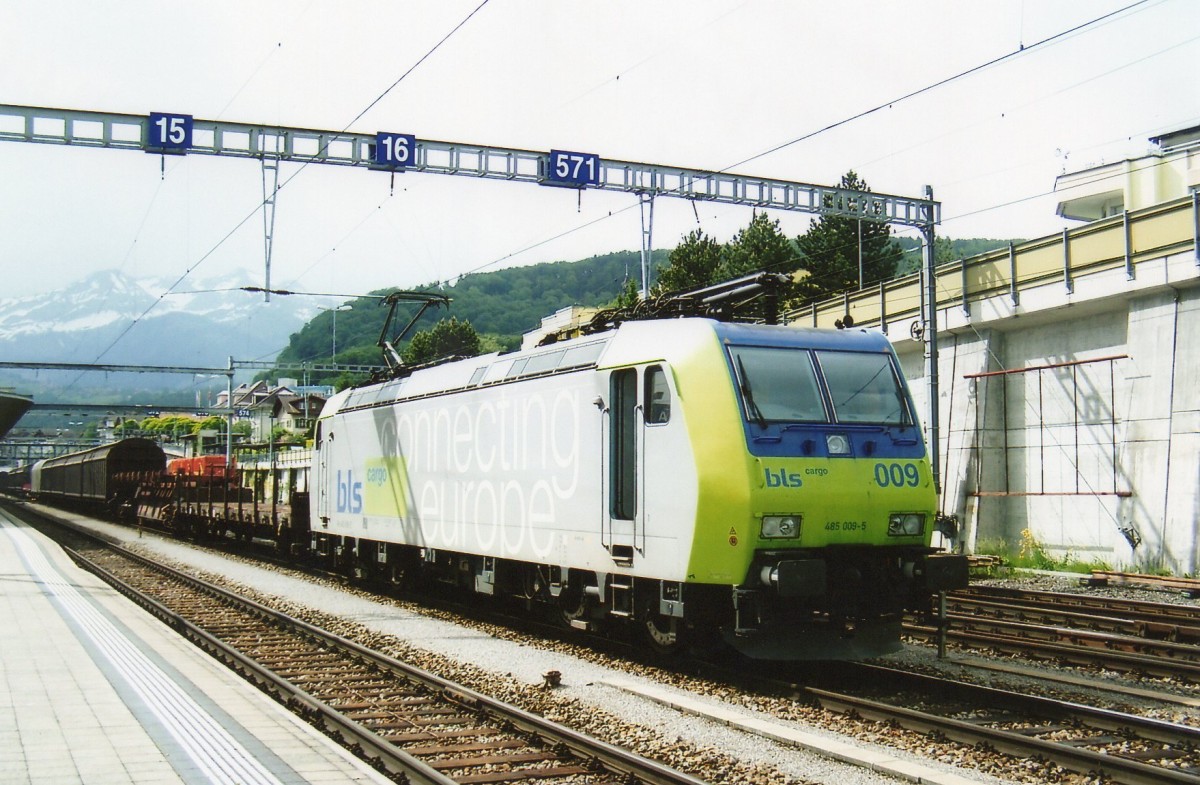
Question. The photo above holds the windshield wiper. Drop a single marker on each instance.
(751, 407)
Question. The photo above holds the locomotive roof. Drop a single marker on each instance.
(649, 340)
(809, 337)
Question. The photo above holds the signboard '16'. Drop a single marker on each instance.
(398, 150)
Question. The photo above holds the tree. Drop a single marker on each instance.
(830, 249)
(447, 338)
(762, 245)
(630, 296)
(490, 342)
(212, 422)
(170, 427)
(694, 262)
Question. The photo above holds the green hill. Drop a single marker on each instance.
(500, 305)
(504, 304)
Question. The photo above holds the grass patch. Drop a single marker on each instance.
(1029, 554)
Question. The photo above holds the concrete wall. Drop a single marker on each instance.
(1100, 460)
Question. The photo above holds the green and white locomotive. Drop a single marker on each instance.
(699, 479)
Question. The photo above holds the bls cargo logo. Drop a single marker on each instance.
(349, 493)
(383, 493)
(782, 479)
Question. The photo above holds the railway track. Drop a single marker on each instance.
(1136, 637)
(1189, 587)
(1123, 747)
(412, 724)
(1161, 621)
(1160, 640)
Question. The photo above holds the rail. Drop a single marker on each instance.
(348, 723)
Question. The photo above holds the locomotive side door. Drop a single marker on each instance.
(622, 445)
(319, 485)
(636, 445)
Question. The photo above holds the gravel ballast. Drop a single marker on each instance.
(589, 697)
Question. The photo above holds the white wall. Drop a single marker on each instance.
(1045, 439)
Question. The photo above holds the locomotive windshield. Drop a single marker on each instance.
(798, 385)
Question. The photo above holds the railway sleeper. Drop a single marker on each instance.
(409, 736)
(475, 746)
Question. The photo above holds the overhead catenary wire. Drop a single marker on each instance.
(561, 234)
(1010, 110)
(945, 220)
(1021, 50)
(606, 216)
(158, 189)
(374, 211)
(287, 181)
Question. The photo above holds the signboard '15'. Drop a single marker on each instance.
(170, 133)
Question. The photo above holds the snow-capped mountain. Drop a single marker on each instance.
(110, 317)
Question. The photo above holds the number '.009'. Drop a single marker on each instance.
(897, 475)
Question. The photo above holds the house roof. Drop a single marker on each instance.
(303, 406)
(1178, 139)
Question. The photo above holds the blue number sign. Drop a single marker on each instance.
(395, 150)
(579, 169)
(169, 133)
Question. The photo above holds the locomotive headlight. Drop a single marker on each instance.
(906, 524)
(778, 527)
(837, 444)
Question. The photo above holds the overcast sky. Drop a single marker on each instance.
(702, 83)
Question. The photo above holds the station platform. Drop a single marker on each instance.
(94, 690)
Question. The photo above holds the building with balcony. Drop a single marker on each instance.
(286, 405)
(1168, 172)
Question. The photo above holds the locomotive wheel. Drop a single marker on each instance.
(664, 634)
(572, 604)
(531, 583)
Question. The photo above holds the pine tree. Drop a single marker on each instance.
(694, 262)
(830, 250)
(447, 338)
(762, 245)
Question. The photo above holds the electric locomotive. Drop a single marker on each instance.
(763, 484)
(701, 480)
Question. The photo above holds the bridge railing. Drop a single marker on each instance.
(1122, 241)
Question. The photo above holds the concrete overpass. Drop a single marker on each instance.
(1069, 386)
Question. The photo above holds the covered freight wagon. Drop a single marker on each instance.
(91, 476)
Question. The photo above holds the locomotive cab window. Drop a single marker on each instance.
(777, 384)
(658, 396)
(864, 388)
